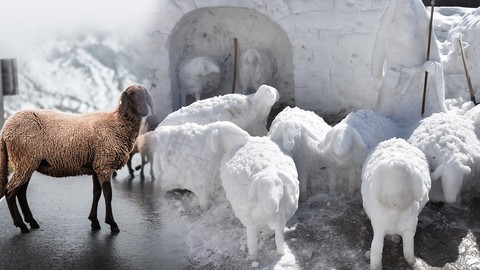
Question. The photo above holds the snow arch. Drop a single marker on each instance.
(210, 32)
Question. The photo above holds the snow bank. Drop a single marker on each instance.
(188, 156)
(395, 186)
(349, 142)
(261, 184)
(249, 112)
(452, 149)
(299, 132)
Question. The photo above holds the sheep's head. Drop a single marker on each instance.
(266, 95)
(397, 184)
(225, 136)
(137, 99)
(343, 145)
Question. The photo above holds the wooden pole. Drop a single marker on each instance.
(428, 55)
(469, 81)
(235, 63)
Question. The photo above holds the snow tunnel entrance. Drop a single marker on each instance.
(201, 52)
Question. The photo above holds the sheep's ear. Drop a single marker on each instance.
(214, 141)
(123, 103)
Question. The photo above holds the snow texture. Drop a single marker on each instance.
(395, 185)
(249, 112)
(452, 149)
(188, 156)
(299, 132)
(398, 63)
(261, 184)
(255, 68)
(196, 75)
(349, 142)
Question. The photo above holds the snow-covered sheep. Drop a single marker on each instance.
(188, 156)
(249, 112)
(299, 132)
(452, 149)
(256, 67)
(261, 184)
(196, 75)
(349, 142)
(395, 186)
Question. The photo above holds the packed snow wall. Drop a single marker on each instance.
(330, 43)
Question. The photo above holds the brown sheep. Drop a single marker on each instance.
(61, 144)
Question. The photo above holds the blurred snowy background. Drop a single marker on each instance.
(73, 55)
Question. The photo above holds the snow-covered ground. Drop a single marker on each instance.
(86, 71)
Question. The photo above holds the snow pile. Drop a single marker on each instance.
(398, 63)
(196, 75)
(300, 132)
(452, 149)
(349, 142)
(188, 156)
(261, 184)
(255, 68)
(395, 186)
(249, 112)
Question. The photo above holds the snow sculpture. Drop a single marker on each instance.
(349, 142)
(395, 186)
(249, 112)
(452, 149)
(261, 184)
(188, 156)
(196, 75)
(398, 63)
(299, 132)
(256, 68)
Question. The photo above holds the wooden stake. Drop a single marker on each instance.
(428, 56)
(469, 81)
(235, 60)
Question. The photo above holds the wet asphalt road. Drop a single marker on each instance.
(65, 240)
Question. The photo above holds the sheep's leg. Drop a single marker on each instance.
(22, 200)
(129, 165)
(352, 181)
(332, 181)
(376, 251)
(408, 251)
(142, 176)
(107, 194)
(280, 241)
(303, 187)
(150, 159)
(11, 197)
(252, 240)
(97, 193)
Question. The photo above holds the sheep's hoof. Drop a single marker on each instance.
(115, 229)
(23, 228)
(95, 224)
(34, 224)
